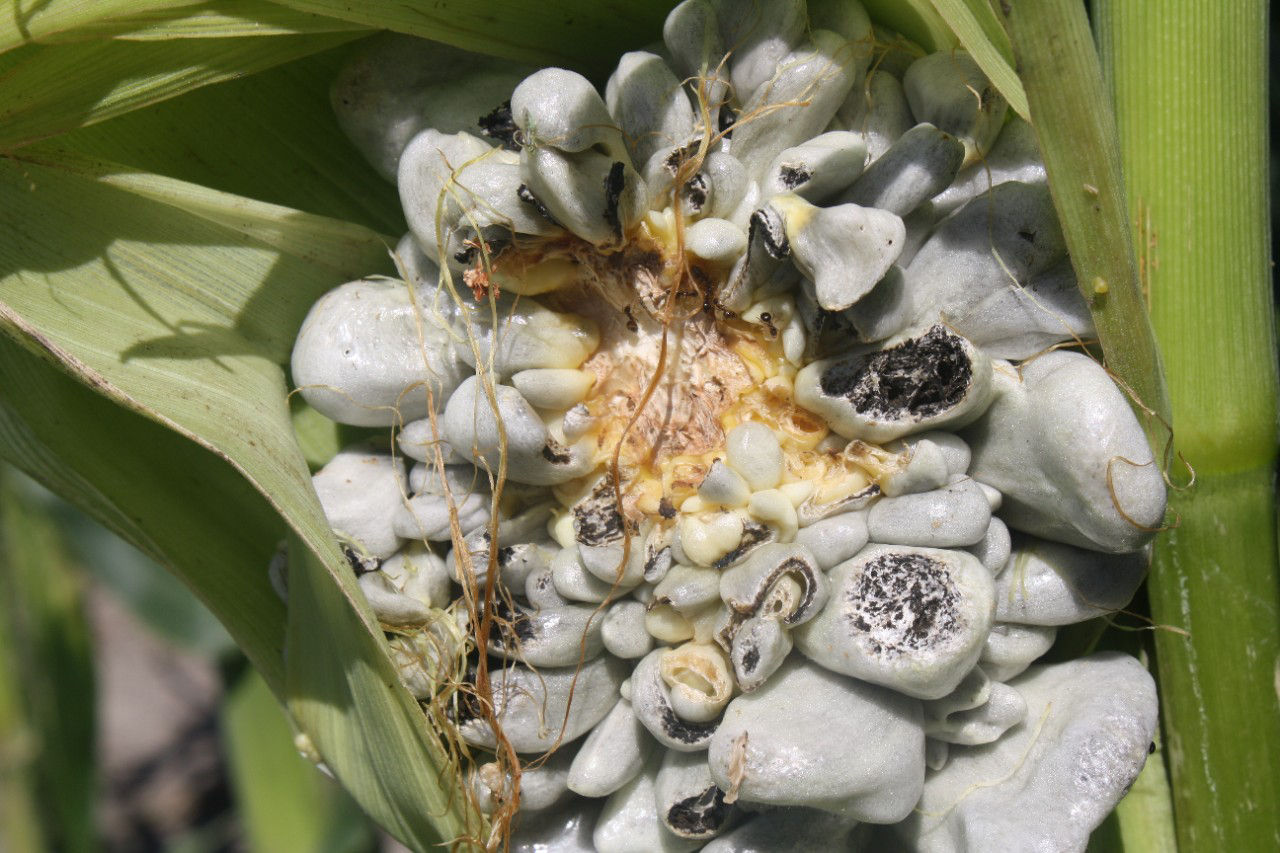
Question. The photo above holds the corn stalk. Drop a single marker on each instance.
(1190, 87)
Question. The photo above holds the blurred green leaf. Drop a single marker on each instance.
(48, 90)
(36, 20)
(283, 801)
(49, 648)
(156, 597)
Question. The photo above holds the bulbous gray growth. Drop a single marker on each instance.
(844, 250)
(1011, 648)
(912, 619)
(996, 271)
(953, 516)
(810, 737)
(932, 380)
(798, 586)
(690, 805)
(369, 355)
(532, 456)
(1052, 779)
(629, 821)
(799, 100)
(818, 169)
(533, 706)
(919, 165)
(1062, 445)
(646, 99)
(948, 90)
(395, 85)
(879, 111)
(360, 490)
(612, 755)
(1048, 583)
(561, 109)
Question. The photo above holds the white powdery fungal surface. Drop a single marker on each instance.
(794, 495)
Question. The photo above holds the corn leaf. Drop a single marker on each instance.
(44, 627)
(35, 20)
(282, 800)
(1077, 136)
(587, 35)
(271, 137)
(48, 90)
(915, 19)
(182, 309)
(179, 503)
(216, 19)
(19, 815)
(361, 719)
(979, 31)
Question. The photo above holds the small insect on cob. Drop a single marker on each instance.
(749, 476)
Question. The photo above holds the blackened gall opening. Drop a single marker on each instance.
(725, 121)
(919, 378)
(753, 533)
(699, 816)
(614, 183)
(597, 521)
(771, 232)
(498, 124)
(750, 659)
(513, 624)
(360, 563)
(555, 454)
(794, 176)
(695, 191)
(683, 730)
(526, 195)
(679, 156)
(904, 603)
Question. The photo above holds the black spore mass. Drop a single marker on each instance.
(903, 603)
(919, 377)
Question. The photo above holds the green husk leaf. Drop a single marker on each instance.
(1077, 136)
(271, 137)
(915, 19)
(980, 33)
(587, 35)
(282, 800)
(361, 719)
(216, 19)
(48, 90)
(180, 303)
(41, 20)
(44, 626)
(165, 494)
